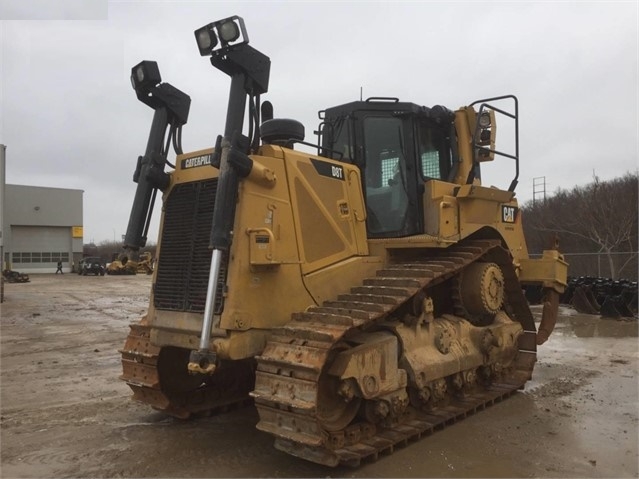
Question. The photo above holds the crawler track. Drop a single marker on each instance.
(158, 377)
(289, 393)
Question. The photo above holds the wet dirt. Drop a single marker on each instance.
(64, 413)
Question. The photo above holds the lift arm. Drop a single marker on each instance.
(171, 109)
(226, 42)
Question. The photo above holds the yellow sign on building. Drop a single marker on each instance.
(77, 231)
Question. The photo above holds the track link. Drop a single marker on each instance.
(144, 365)
(287, 390)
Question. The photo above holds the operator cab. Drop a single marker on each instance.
(397, 146)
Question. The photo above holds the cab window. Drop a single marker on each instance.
(434, 152)
(339, 143)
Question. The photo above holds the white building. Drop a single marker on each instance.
(41, 226)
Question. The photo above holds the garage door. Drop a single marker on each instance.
(38, 248)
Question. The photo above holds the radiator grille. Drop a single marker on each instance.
(185, 258)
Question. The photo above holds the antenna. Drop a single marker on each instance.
(361, 91)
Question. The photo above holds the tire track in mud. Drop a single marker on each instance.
(101, 445)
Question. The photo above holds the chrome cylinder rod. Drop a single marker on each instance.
(211, 297)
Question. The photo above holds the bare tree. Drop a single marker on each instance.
(600, 217)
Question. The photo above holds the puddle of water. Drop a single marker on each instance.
(571, 323)
(588, 326)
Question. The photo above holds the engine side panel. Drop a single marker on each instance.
(330, 216)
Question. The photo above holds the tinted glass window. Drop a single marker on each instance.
(385, 175)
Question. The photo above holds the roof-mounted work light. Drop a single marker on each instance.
(148, 86)
(145, 75)
(220, 35)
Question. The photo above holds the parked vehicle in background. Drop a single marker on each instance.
(91, 265)
(121, 264)
(15, 276)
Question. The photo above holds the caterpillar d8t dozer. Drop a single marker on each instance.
(363, 295)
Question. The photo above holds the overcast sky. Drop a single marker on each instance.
(70, 118)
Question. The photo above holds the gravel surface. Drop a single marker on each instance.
(65, 413)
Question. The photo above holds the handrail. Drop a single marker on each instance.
(515, 116)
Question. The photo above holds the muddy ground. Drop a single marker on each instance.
(64, 413)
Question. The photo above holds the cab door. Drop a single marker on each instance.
(390, 178)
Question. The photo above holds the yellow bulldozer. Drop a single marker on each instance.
(122, 264)
(364, 290)
(145, 263)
